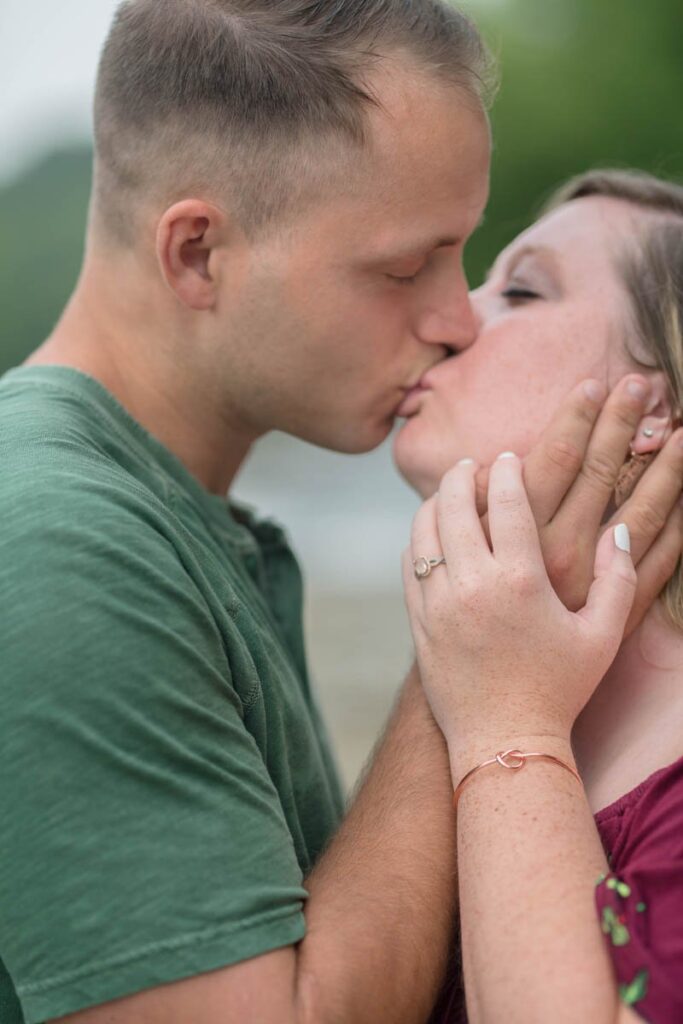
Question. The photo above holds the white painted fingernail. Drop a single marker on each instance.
(507, 455)
(466, 462)
(622, 537)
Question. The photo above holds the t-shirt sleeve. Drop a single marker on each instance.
(143, 840)
(641, 907)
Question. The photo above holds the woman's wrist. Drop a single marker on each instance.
(465, 754)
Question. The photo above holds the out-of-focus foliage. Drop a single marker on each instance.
(42, 227)
(584, 83)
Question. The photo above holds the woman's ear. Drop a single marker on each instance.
(187, 235)
(659, 421)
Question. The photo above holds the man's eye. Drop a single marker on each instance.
(520, 294)
(406, 278)
(403, 280)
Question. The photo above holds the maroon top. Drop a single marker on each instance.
(639, 904)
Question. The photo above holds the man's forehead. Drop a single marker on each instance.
(411, 242)
(419, 113)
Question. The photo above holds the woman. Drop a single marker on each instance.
(595, 288)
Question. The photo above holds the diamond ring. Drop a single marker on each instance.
(423, 566)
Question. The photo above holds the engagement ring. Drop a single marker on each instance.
(423, 566)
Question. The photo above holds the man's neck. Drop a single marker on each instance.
(120, 345)
(633, 724)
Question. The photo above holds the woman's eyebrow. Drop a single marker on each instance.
(547, 257)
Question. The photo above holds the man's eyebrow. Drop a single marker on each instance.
(419, 249)
(416, 249)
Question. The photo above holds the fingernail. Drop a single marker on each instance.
(507, 455)
(638, 388)
(595, 390)
(622, 537)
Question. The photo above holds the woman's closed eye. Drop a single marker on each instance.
(516, 293)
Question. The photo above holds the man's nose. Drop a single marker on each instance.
(453, 322)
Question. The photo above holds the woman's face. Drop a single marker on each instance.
(553, 312)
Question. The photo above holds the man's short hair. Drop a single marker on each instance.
(254, 100)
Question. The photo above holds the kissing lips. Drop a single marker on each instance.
(412, 401)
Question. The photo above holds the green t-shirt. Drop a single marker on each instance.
(165, 781)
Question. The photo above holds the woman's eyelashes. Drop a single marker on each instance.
(517, 293)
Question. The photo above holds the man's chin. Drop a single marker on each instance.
(360, 441)
(367, 441)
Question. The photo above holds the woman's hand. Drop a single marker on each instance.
(499, 653)
(570, 477)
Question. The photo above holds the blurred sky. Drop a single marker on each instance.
(48, 59)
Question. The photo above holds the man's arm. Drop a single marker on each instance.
(379, 917)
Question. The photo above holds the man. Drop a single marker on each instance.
(281, 198)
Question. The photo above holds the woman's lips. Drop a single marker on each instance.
(412, 401)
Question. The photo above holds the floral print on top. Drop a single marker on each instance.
(640, 902)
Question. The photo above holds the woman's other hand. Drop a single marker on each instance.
(570, 478)
(500, 655)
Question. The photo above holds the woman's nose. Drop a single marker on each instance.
(478, 306)
(484, 305)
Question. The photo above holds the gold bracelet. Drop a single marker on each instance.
(517, 764)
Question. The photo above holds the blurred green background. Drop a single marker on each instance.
(584, 83)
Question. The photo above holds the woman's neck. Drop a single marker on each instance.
(633, 724)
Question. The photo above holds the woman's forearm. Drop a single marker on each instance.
(529, 857)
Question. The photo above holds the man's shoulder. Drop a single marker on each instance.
(62, 456)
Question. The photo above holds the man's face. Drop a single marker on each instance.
(337, 318)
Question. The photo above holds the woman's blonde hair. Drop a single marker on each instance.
(653, 273)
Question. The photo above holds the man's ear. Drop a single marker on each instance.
(659, 421)
(187, 235)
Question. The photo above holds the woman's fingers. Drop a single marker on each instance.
(424, 543)
(461, 535)
(411, 586)
(514, 533)
(583, 508)
(649, 507)
(552, 466)
(424, 537)
(657, 567)
(610, 598)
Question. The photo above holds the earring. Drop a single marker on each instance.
(630, 474)
(636, 464)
